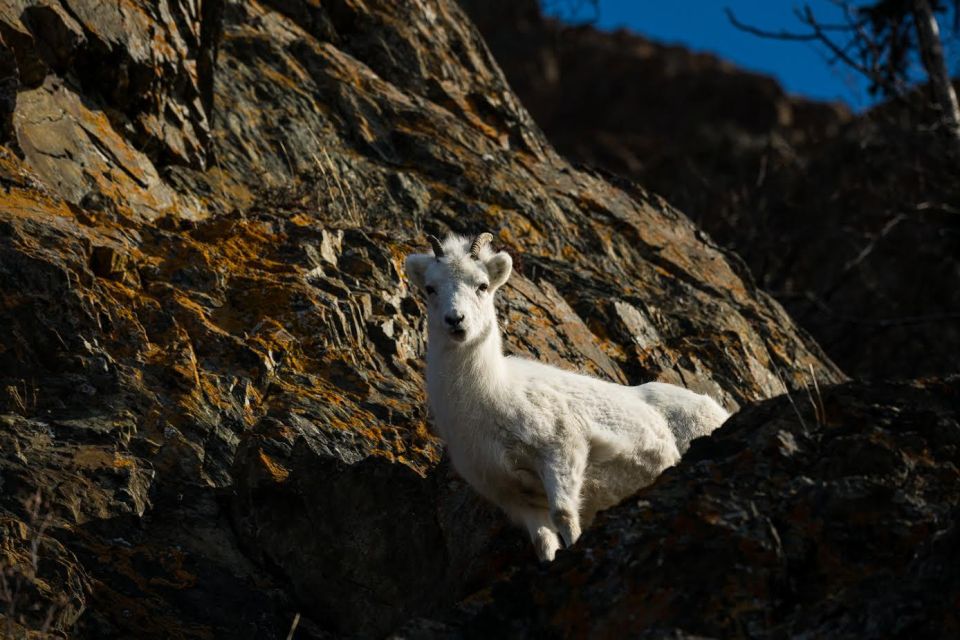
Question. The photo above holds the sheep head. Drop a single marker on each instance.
(459, 281)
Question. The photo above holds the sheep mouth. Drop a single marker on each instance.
(458, 334)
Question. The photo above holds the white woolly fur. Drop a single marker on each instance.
(549, 446)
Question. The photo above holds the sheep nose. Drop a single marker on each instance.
(453, 320)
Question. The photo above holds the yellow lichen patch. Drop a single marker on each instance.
(514, 228)
(179, 578)
(294, 84)
(121, 461)
(277, 471)
(91, 457)
(32, 203)
(302, 220)
(568, 252)
(466, 109)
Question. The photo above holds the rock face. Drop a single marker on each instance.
(768, 175)
(833, 515)
(210, 363)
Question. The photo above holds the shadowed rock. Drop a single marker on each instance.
(832, 516)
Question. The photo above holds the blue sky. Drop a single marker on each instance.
(702, 25)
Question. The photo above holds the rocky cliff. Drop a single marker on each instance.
(210, 363)
(830, 515)
(849, 221)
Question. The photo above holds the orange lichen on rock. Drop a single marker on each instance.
(276, 471)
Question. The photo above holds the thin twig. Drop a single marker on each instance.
(287, 157)
(816, 387)
(763, 33)
(786, 389)
(867, 250)
(293, 627)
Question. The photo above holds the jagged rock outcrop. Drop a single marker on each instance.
(210, 368)
(849, 221)
(833, 515)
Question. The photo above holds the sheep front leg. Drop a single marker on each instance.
(542, 534)
(538, 525)
(562, 475)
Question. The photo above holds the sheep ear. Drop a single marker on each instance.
(499, 268)
(416, 267)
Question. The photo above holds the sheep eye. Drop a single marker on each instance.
(483, 287)
(430, 290)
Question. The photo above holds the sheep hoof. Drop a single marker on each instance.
(568, 525)
(546, 545)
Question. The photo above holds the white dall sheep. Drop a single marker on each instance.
(550, 447)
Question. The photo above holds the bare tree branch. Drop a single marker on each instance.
(871, 73)
(770, 35)
(819, 33)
